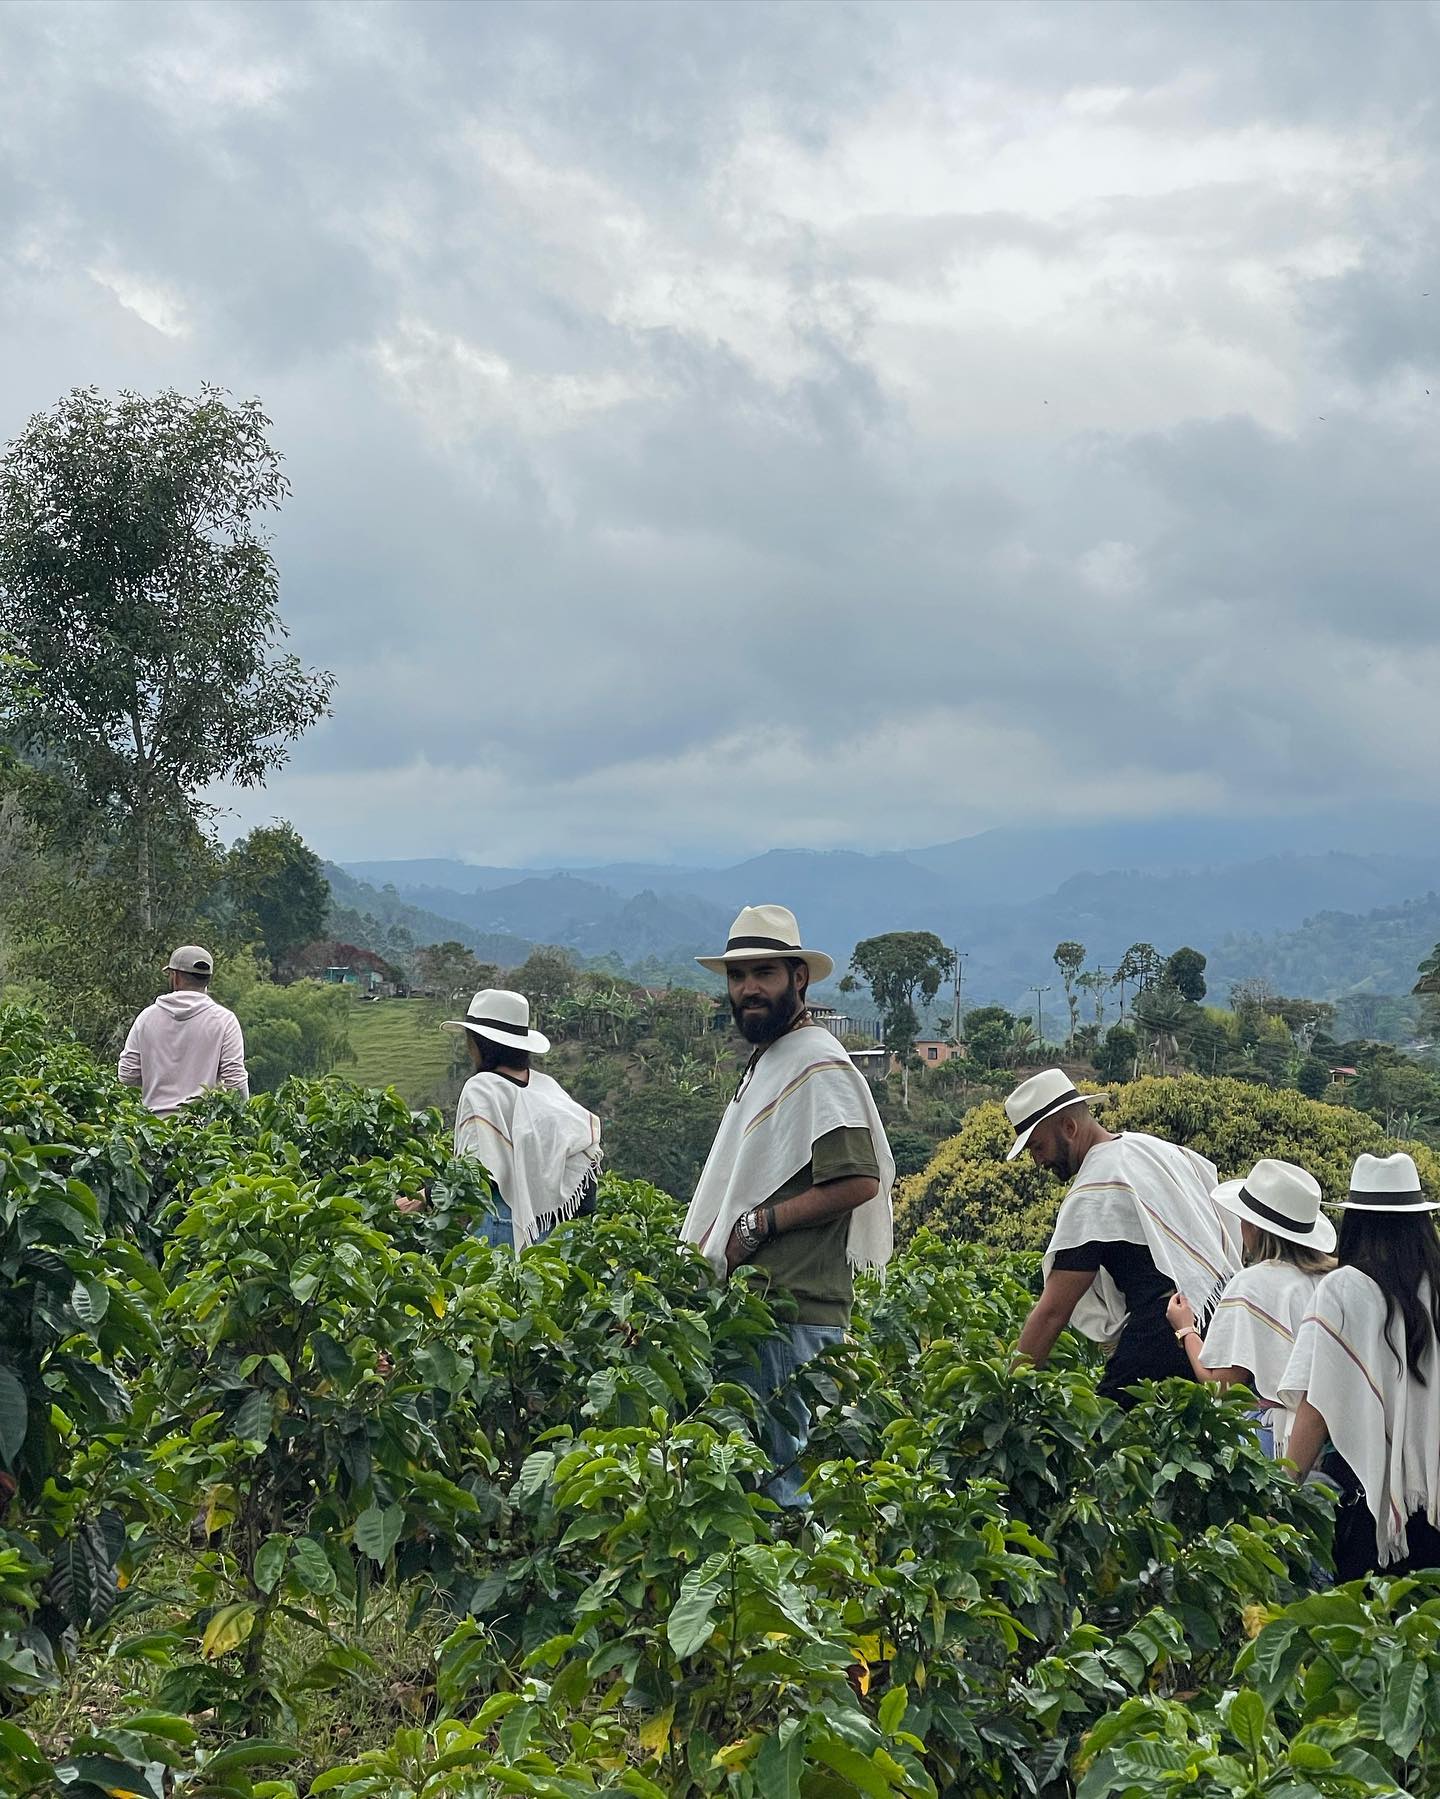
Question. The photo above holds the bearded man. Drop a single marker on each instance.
(797, 1183)
(1137, 1225)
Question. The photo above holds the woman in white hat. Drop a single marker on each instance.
(540, 1148)
(1365, 1377)
(1287, 1244)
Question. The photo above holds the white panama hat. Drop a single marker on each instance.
(503, 1017)
(1387, 1184)
(767, 934)
(1035, 1100)
(1282, 1199)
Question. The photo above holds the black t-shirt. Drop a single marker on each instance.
(1147, 1349)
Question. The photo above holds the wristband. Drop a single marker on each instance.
(747, 1229)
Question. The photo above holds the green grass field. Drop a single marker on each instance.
(395, 1047)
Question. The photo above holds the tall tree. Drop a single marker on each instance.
(1096, 983)
(275, 878)
(1140, 967)
(900, 966)
(451, 972)
(1250, 1003)
(1185, 972)
(136, 586)
(548, 973)
(988, 1037)
(1069, 958)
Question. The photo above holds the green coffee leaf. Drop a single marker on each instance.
(14, 1416)
(377, 1530)
(312, 1567)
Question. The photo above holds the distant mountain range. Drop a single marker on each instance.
(1004, 897)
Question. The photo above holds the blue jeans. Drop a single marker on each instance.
(786, 1427)
(496, 1228)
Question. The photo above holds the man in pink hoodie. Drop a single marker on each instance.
(186, 1041)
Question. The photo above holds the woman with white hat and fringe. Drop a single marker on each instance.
(1287, 1243)
(540, 1148)
(1365, 1377)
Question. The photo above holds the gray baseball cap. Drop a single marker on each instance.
(191, 959)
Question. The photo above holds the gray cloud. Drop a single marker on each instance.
(715, 425)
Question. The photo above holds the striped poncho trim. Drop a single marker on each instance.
(1254, 1328)
(1139, 1189)
(1380, 1419)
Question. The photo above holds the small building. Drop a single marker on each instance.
(934, 1051)
(842, 1025)
(369, 980)
(872, 1063)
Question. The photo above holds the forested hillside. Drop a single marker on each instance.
(1316, 903)
(1337, 953)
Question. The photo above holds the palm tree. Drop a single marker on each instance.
(624, 1015)
(1023, 1043)
(562, 1015)
(1161, 1014)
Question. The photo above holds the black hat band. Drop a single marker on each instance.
(1269, 1213)
(1392, 1202)
(1055, 1105)
(500, 1024)
(789, 949)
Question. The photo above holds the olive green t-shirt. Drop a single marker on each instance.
(812, 1264)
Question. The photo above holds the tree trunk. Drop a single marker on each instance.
(141, 815)
(143, 896)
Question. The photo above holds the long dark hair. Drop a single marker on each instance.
(495, 1056)
(1400, 1255)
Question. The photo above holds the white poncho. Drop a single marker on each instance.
(1385, 1425)
(539, 1146)
(1140, 1189)
(802, 1087)
(1254, 1327)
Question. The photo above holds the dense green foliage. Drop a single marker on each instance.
(302, 1028)
(278, 890)
(250, 1406)
(1370, 954)
(900, 968)
(972, 1194)
(139, 590)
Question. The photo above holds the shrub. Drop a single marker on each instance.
(970, 1192)
(320, 1408)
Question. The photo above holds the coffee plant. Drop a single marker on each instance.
(307, 1490)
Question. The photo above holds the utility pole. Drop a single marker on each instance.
(1039, 1015)
(959, 1030)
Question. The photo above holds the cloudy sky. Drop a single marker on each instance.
(715, 426)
